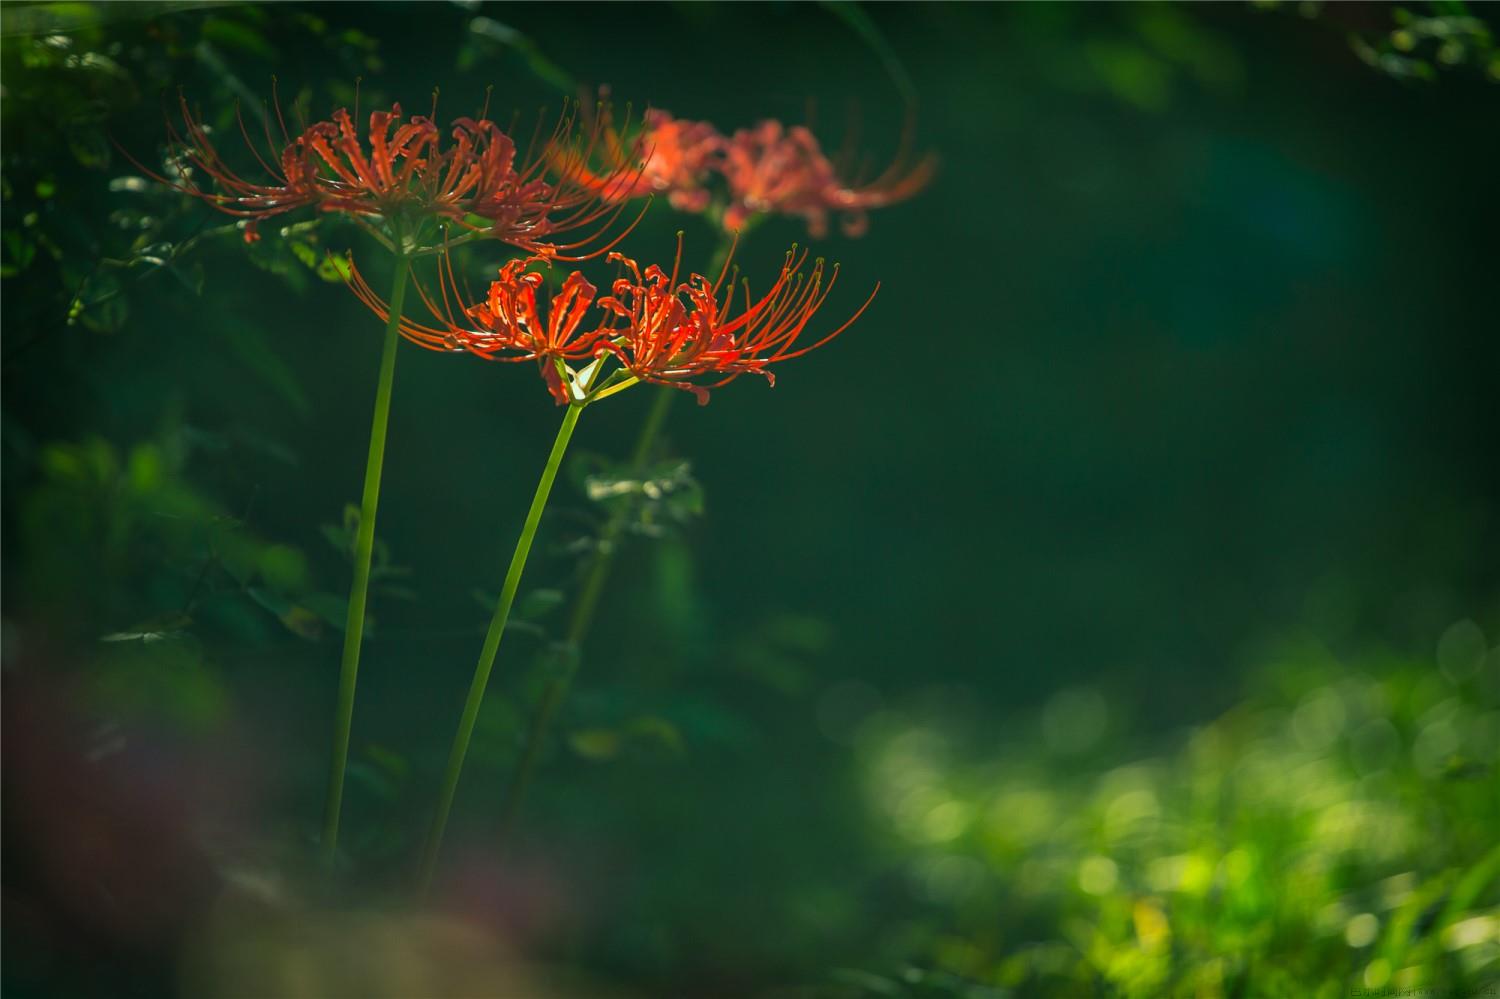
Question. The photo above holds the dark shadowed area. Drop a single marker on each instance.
(1111, 610)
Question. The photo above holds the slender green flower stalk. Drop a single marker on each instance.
(597, 574)
(492, 645)
(581, 619)
(692, 335)
(364, 547)
(396, 180)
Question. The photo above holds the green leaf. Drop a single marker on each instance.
(303, 252)
(339, 537)
(165, 681)
(596, 744)
(283, 567)
(332, 609)
(373, 780)
(537, 603)
(654, 728)
(162, 629)
(299, 620)
(303, 623)
(250, 347)
(334, 268)
(389, 761)
(542, 68)
(234, 35)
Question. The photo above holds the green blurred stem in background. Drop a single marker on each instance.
(593, 584)
(492, 646)
(364, 546)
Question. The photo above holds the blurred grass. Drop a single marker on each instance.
(1231, 374)
(1334, 831)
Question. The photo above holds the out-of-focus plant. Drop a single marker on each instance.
(1142, 56)
(72, 71)
(1421, 40)
(1335, 831)
(124, 515)
(1421, 44)
(127, 529)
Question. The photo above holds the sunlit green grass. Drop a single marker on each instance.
(1334, 831)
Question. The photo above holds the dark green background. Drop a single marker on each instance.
(1189, 346)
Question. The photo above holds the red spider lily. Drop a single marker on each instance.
(687, 335)
(402, 171)
(671, 156)
(293, 177)
(768, 169)
(522, 208)
(507, 325)
(674, 333)
(380, 183)
(774, 169)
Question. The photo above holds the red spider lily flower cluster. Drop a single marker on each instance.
(671, 156)
(507, 325)
(773, 169)
(768, 169)
(672, 334)
(690, 335)
(401, 169)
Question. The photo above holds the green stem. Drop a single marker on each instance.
(582, 618)
(593, 584)
(364, 546)
(492, 647)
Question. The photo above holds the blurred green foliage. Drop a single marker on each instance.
(1419, 41)
(926, 666)
(1334, 831)
(135, 521)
